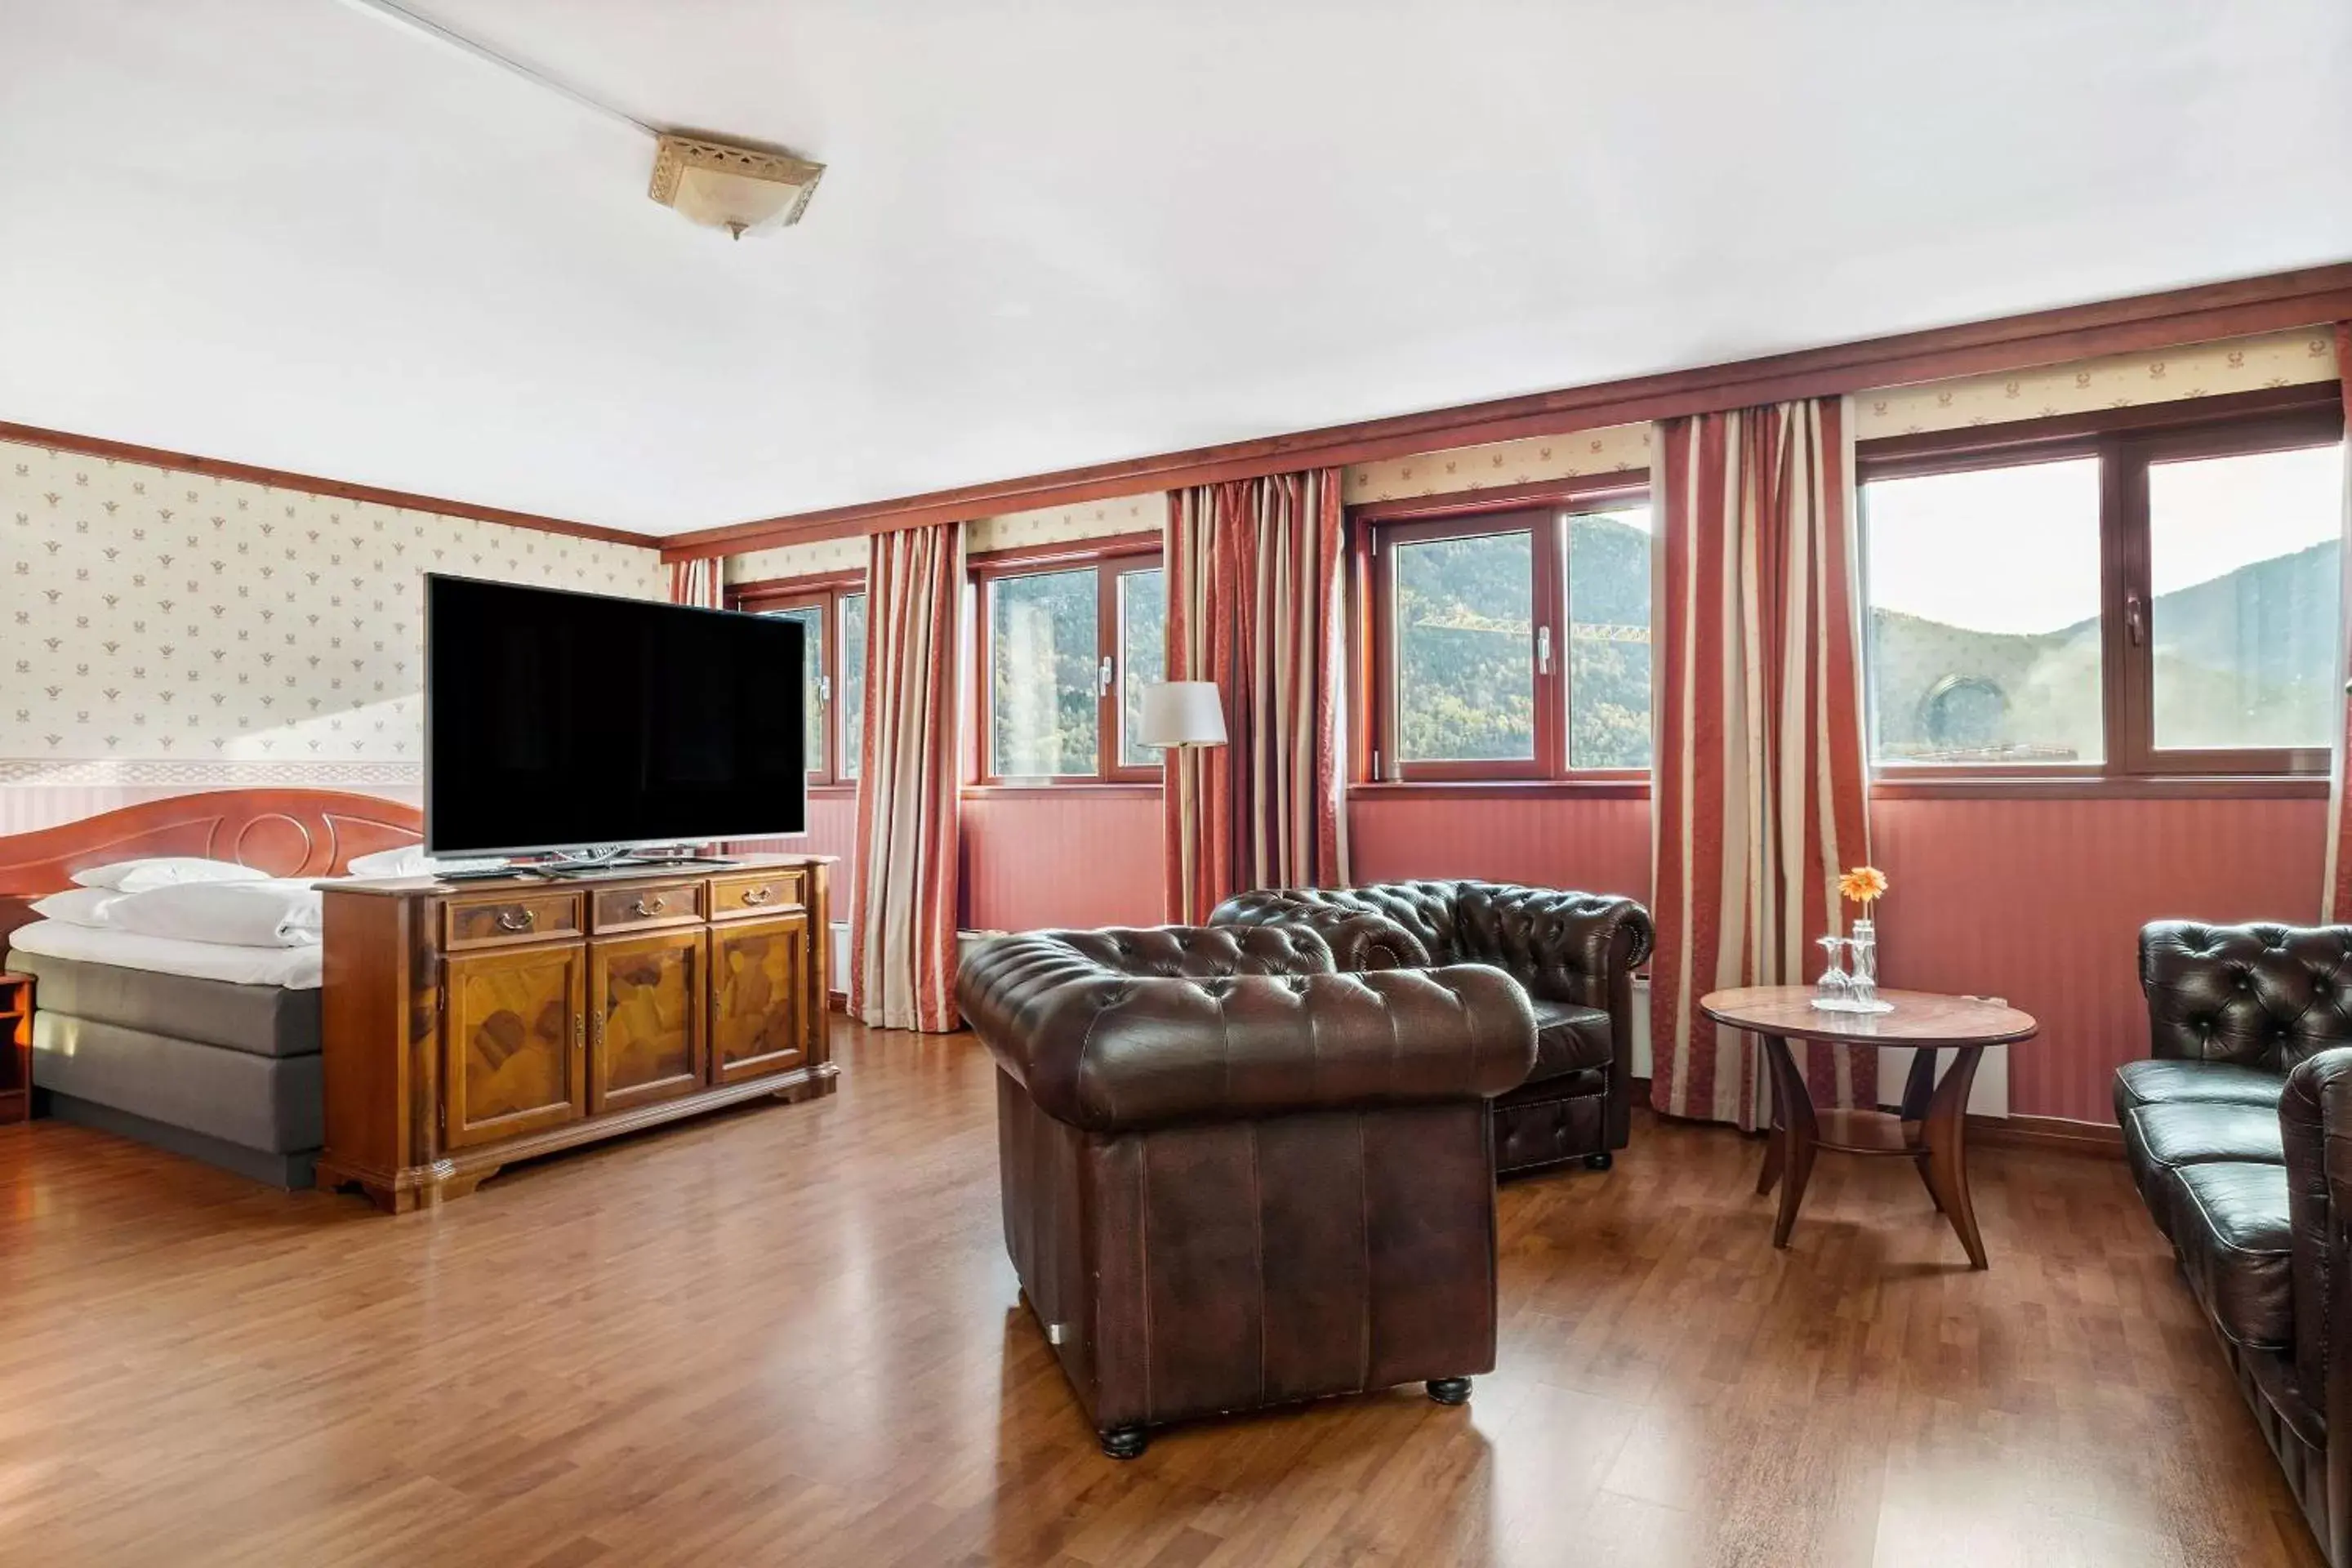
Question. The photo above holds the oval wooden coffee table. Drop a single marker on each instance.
(1933, 1134)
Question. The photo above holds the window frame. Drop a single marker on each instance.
(1541, 510)
(2125, 442)
(1110, 558)
(825, 594)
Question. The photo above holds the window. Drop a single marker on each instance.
(1066, 650)
(1512, 644)
(1988, 652)
(2145, 600)
(833, 675)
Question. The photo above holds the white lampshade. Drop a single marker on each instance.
(1181, 713)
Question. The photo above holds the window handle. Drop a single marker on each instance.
(2134, 621)
(823, 689)
(1543, 650)
(1103, 678)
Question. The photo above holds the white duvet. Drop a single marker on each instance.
(295, 968)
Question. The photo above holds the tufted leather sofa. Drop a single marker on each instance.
(2239, 1131)
(1575, 952)
(1233, 1177)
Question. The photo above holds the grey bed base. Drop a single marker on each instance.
(226, 1074)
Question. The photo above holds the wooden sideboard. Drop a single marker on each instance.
(469, 1025)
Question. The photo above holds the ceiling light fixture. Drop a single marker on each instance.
(741, 188)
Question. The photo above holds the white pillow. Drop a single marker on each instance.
(410, 860)
(267, 913)
(164, 871)
(78, 906)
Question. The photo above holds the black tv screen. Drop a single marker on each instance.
(558, 721)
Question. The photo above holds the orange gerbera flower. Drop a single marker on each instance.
(1863, 884)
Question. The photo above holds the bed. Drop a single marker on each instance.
(207, 1050)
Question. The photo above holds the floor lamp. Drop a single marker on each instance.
(1178, 713)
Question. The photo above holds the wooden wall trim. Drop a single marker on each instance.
(2057, 1134)
(2273, 303)
(279, 479)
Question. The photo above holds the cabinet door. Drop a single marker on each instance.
(516, 1040)
(759, 970)
(644, 1019)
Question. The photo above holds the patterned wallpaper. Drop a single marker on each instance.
(819, 560)
(167, 627)
(1607, 450)
(1050, 525)
(2121, 381)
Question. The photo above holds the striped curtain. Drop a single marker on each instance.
(699, 583)
(2335, 892)
(903, 907)
(1760, 791)
(1255, 603)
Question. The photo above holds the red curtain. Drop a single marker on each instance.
(903, 911)
(1254, 603)
(1760, 795)
(2337, 890)
(701, 583)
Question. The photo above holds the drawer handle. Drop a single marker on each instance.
(517, 920)
(648, 907)
(758, 895)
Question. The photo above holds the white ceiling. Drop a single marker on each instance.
(1057, 232)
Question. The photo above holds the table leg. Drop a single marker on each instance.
(1795, 1130)
(1944, 1137)
(1919, 1087)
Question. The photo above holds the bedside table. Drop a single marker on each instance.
(15, 1048)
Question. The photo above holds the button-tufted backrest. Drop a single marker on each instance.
(1201, 953)
(2259, 995)
(1563, 946)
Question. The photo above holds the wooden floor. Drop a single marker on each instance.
(791, 1336)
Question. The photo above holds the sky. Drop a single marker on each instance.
(2029, 560)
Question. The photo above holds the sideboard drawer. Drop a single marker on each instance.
(501, 919)
(747, 894)
(647, 906)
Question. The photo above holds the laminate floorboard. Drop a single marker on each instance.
(790, 1335)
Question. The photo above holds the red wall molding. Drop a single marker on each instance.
(2299, 298)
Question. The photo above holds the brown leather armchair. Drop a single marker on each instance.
(2239, 1131)
(1233, 1177)
(1576, 954)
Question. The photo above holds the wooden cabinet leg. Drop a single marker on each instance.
(459, 1186)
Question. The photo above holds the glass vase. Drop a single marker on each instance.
(1863, 946)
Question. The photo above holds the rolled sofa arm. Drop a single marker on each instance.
(1105, 1039)
(1580, 948)
(1360, 939)
(2316, 1126)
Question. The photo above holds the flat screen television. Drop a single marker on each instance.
(557, 721)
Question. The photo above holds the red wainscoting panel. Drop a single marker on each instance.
(1591, 846)
(2042, 902)
(831, 830)
(1061, 857)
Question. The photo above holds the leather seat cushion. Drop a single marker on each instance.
(1569, 1038)
(2163, 1080)
(1573, 1085)
(2230, 1221)
(2161, 1138)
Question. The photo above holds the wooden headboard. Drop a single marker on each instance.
(285, 832)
